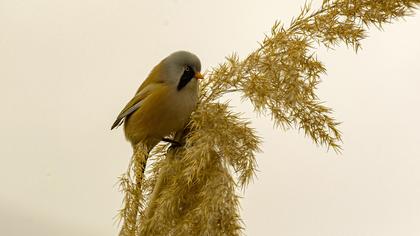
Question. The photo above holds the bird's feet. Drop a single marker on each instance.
(175, 144)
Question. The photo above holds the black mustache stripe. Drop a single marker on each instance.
(185, 78)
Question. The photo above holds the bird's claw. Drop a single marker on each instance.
(174, 144)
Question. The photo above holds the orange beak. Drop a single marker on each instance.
(198, 75)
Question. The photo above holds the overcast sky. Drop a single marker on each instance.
(68, 67)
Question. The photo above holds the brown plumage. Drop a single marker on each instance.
(164, 102)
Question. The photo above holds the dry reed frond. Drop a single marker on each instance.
(130, 184)
(191, 190)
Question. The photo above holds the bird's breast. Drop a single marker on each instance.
(162, 113)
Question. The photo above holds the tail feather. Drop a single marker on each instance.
(117, 123)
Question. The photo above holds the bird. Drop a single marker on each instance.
(164, 102)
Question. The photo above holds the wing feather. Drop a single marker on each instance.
(134, 104)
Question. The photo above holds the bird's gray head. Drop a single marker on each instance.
(182, 67)
(184, 58)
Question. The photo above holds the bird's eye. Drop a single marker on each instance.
(187, 68)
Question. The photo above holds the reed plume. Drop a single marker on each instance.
(192, 190)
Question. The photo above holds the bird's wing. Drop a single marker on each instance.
(133, 104)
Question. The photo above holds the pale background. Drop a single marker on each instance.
(68, 67)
